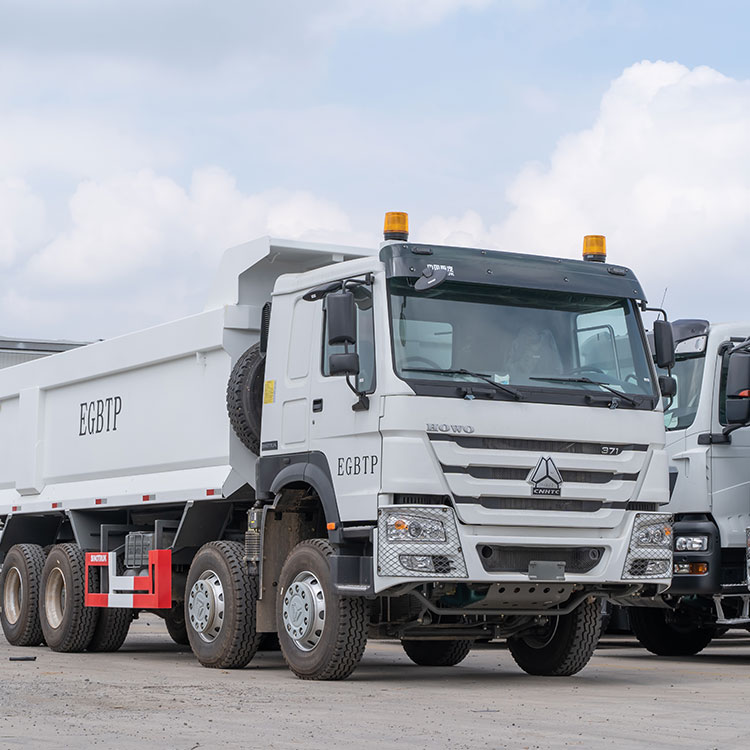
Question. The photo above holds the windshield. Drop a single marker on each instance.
(524, 339)
(680, 413)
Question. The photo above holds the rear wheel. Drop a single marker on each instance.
(68, 625)
(19, 593)
(667, 633)
(176, 625)
(563, 645)
(220, 607)
(437, 653)
(111, 629)
(322, 634)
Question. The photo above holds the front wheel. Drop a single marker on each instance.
(667, 633)
(563, 645)
(322, 635)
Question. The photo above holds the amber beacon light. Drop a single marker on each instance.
(396, 226)
(595, 247)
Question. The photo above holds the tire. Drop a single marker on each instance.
(20, 580)
(68, 625)
(437, 653)
(176, 625)
(332, 651)
(245, 397)
(111, 629)
(664, 634)
(564, 647)
(220, 607)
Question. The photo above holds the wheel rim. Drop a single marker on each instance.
(543, 635)
(13, 596)
(206, 606)
(304, 611)
(54, 598)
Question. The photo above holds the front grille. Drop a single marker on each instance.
(534, 503)
(568, 475)
(400, 499)
(499, 559)
(543, 446)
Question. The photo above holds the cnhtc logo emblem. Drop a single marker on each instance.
(544, 478)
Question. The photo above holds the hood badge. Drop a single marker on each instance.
(544, 478)
(455, 428)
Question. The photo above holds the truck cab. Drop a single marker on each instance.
(709, 455)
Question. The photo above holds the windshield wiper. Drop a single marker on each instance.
(590, 382)
(486, 378)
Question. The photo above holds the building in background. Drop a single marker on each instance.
(17, 351)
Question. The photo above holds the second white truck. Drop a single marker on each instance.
(427, 443)
(708, 443)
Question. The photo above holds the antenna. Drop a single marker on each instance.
(664, 296)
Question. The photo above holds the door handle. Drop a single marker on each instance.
(317, 404)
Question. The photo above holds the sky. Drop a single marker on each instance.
(139, 140)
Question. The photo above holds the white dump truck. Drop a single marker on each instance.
(425, 443)
(709, 453)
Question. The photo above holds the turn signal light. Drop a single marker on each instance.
(694, 569)
(396, 226)
(595, 247)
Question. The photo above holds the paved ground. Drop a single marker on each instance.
(153, 693)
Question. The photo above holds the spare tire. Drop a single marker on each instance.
(245, 397)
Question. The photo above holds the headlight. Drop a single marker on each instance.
(654, 535)
(417, 562)
(411, 528)
(691, 543)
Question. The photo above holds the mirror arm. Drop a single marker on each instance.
(319, 292)
(646, 308)
(719, 438)
(363, 402)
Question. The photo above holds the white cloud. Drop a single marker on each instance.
(141, 249)
(128, 224)
(664, 173)
(135, 223)
(22, 220)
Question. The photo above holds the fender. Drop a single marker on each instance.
(273, 473)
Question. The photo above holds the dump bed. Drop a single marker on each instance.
(142, 417)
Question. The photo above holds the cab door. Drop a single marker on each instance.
(730, 473)
(347, 435)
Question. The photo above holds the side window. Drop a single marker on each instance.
(365, 345)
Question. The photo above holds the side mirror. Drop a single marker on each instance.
(344, 364)
(667, 386)
(341, 318)
(663, 344)
(738, 388)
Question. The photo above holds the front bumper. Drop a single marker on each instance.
(462, 555)
(705, 584)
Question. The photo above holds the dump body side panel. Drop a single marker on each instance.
(119, 420)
